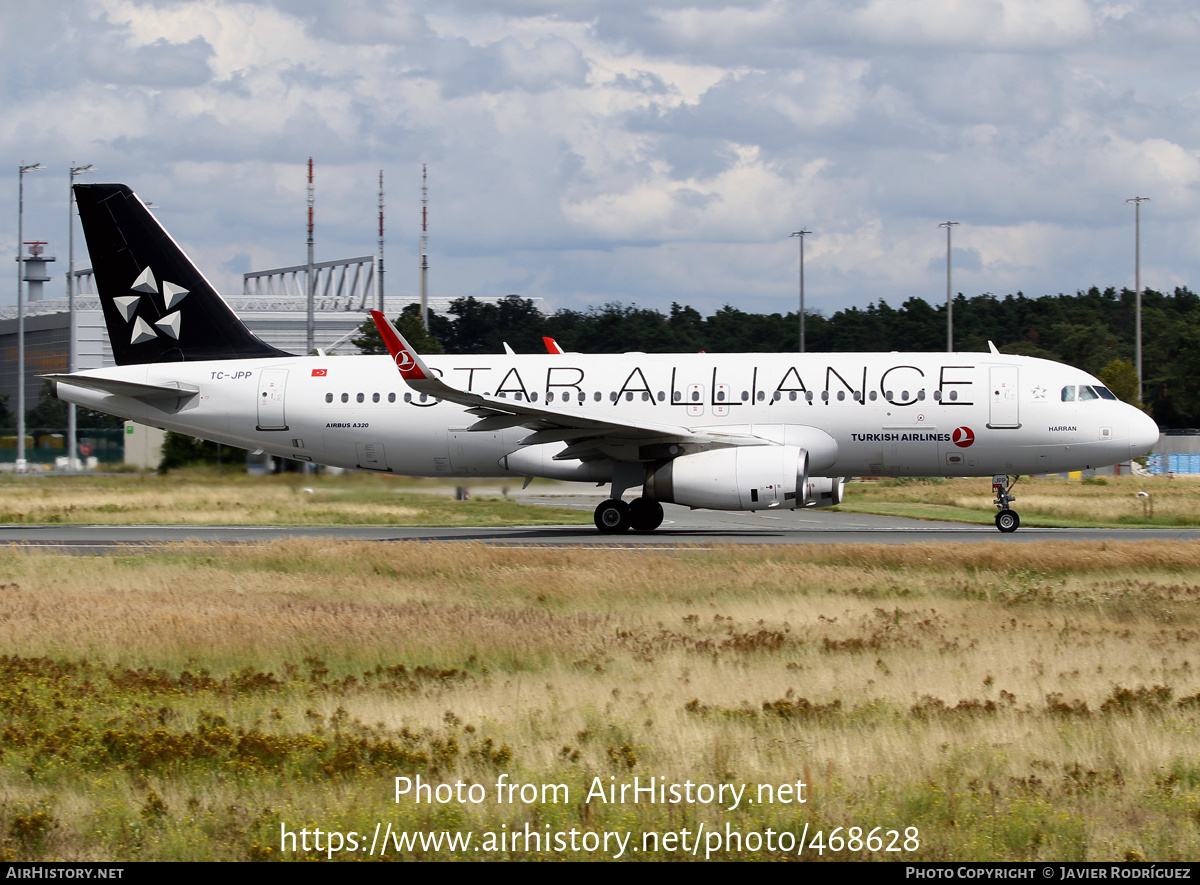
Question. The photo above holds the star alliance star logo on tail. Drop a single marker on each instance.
(127, 305)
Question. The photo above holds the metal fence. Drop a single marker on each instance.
(106, 445)
(1173, 463)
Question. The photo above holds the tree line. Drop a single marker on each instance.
(1093, 330)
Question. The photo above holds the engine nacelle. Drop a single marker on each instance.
(740, 478)
(826, 491)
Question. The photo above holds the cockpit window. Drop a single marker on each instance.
(1105, 393)
(1068, 393)
(1086, 393)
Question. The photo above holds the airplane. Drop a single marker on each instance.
(732, 431)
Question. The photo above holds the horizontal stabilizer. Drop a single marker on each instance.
(133, 389)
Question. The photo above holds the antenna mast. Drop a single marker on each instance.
(312, 284)
(424, 248)
(381, 241)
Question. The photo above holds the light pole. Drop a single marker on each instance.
(71, 320)
(948, 225)
(21, 170)
(1137, 280)
(801, 234)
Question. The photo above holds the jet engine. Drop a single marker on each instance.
(826, 491)
(739, 478)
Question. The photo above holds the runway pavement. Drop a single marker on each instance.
(681, 528)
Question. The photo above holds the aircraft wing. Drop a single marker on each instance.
(588, 434)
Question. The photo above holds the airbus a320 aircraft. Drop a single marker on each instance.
(719, 431)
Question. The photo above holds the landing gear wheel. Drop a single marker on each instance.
(645, 514)
(1007, 520)
(612, 517)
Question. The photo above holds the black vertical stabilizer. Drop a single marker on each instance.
(158, 307)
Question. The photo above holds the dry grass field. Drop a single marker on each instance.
(199, 703)
(202, 496)
(1099, 501)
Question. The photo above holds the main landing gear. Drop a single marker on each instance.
(1006, 520)
(641, 514)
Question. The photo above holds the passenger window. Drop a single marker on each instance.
(374, 397)
(841, 396)
(329, 397)
(345, 397)
(391, 397)
(1068, 393)
(550, 396)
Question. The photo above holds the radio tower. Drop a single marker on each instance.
(424, 248)
(381, 241)
(312, 283)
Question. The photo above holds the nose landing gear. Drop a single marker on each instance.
(1007, 520)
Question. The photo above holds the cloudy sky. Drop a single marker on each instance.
(588, 151)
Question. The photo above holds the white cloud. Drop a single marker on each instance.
(605, 149)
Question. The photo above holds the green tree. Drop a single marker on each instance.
(181, 450)
(50, 413)
(407, 324)
(1120, 376)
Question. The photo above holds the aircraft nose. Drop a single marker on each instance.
(1143, 433)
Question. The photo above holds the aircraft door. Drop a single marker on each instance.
(1005, 397)
(721, 400)
(695, 400)
(271, 385)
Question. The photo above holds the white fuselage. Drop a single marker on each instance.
(897, 414)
